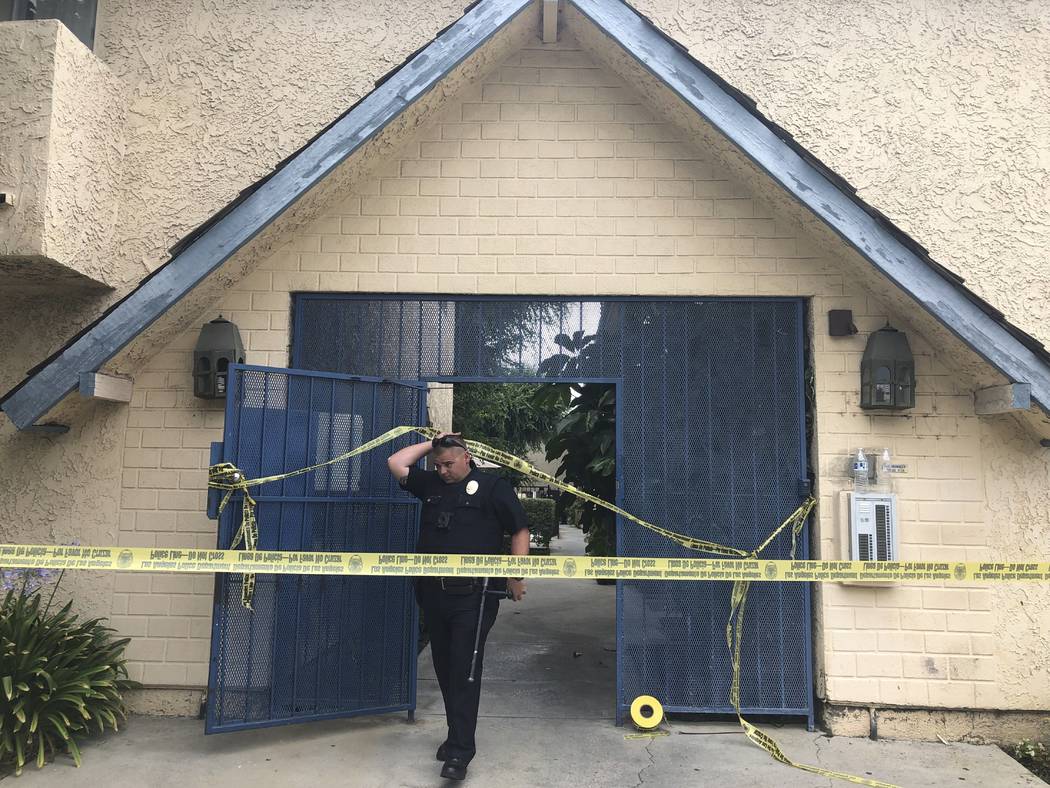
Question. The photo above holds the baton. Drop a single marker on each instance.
(481, 615)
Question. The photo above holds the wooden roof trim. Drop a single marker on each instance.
(893, 253)
(207, 248)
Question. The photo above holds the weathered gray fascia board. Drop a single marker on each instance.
(961, 316)
(217, 243)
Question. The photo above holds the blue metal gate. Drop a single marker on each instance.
(712, 436)
(315, 647)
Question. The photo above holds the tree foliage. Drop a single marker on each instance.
(584, 440)
(504, 415)
(507, 416)
(543, 522)
(495, 339)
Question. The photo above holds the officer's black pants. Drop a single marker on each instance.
(452, 620)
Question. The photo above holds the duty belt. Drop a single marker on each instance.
(458, 585)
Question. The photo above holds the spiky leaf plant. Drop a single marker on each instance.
(59, 678)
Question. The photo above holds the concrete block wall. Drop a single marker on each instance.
(552, 177)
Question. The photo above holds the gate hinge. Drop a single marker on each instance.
(805, 488)
(213, 495)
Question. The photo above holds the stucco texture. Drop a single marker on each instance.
(63, 116)
(66, 490)
(935, 111)
(26, 56)
(219, 93)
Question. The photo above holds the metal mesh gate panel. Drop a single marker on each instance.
(712, 444)
(315, 647)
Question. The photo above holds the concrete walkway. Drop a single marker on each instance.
(547, 720)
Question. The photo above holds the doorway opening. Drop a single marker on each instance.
(567, 430)
(553, 655)
(711, 414)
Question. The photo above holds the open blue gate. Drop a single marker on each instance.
(711, 431)
(315, 647)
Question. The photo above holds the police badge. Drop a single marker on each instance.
(472, 487)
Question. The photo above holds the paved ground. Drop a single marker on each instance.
(546, 721)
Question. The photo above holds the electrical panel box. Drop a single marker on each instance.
(868, 530)
(873, 531)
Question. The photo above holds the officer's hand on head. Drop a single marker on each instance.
(516, 588)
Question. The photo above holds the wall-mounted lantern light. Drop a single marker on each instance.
(887, 371)
(219, 346)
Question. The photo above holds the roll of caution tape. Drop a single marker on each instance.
(646, 712)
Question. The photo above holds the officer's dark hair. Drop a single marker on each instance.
(452, 442)
(448, 442)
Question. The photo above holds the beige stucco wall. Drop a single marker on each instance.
(222, 93)
(61, 153)
(62, 111)
(934, 113)
(553, 177)
(27, 54)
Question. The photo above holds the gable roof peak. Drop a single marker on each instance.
(728, 111)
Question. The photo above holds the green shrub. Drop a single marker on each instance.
(1034, 755)
(58, 677)
(543, 522)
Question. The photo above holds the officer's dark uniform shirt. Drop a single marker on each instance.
(454, 521)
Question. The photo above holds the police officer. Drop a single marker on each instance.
(464, 511)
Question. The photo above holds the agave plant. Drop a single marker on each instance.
(58, 677)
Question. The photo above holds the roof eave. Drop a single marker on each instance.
(247, 216)
(732, 114)
(738, 120)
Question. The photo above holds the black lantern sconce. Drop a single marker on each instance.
(219, 346)
(887, 371)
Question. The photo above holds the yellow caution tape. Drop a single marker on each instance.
(229, 478)
(568, 567)
(740, 566)
(734, 636)
(650, 735)
(486, 452)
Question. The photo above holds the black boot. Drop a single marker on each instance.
(441, 754)
(454, 769)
